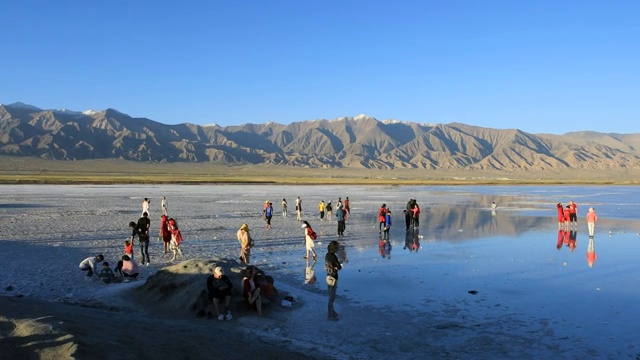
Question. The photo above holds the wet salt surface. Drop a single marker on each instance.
(533, 300)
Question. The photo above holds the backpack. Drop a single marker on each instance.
(312, 234)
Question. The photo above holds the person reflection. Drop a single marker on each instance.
(573, 239)
(384, 248)
(591, 252)
(309, 272)
(411, 241)
(560, 239)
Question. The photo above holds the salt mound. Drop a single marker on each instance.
(181, 290)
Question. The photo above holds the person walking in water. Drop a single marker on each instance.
(332, 265)
(309, 240)
(591, 221)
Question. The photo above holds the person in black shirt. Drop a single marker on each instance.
(142, 230)
(332, 266)
(219, 288)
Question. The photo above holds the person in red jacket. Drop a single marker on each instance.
(560, 214)
(382, 216)
(165, 233)
(573, 213)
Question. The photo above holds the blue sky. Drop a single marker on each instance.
(540, 66)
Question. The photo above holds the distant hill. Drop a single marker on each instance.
(347, 142)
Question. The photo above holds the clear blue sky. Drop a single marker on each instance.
(540, 66)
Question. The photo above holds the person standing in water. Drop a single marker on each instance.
(591, 221)
(332, 265)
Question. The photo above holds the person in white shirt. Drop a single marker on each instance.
(165, 206)
(89, 264)
(145, 206)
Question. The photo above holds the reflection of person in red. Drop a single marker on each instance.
(560, 239)
(560, 215)
(572, 239)
(591, 252)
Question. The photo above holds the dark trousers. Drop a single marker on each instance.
(341, 227)
(144, 249)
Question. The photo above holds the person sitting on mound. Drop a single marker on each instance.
(219, 287)
(251, 289)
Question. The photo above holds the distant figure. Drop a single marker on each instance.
(329, 209)
(165, 234)
(591, 252)
(284, 208)
(407, 219)
(560, 214)
(332, 265)
(145, 206)
(165, 206)
(321, 209)
(298, 209)
(382, 215)
(591, 221)
(341, 222)
(347, 205)
(567, 216)
(387, 224)
(89, 264)
(573, 213)
(268, 214)
(493, 205)
(219, 289)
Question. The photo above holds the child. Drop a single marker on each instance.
(387, 223)
(106, 274)
(591, 221)
(128, 248)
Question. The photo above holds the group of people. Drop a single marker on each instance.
(568, 217)
(125, 270)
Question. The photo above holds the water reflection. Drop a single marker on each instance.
(309, 272)
(470, 221)
(412, 241)
(591, 252)
(384, 248)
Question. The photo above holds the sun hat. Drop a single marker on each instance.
(218, 271)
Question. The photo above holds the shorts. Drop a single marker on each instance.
(219, 294)
(573, 217)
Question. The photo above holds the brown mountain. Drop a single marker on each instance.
(356, 142)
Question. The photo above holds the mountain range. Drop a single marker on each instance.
(346, 142)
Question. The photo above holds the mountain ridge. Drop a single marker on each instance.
(346, 142)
